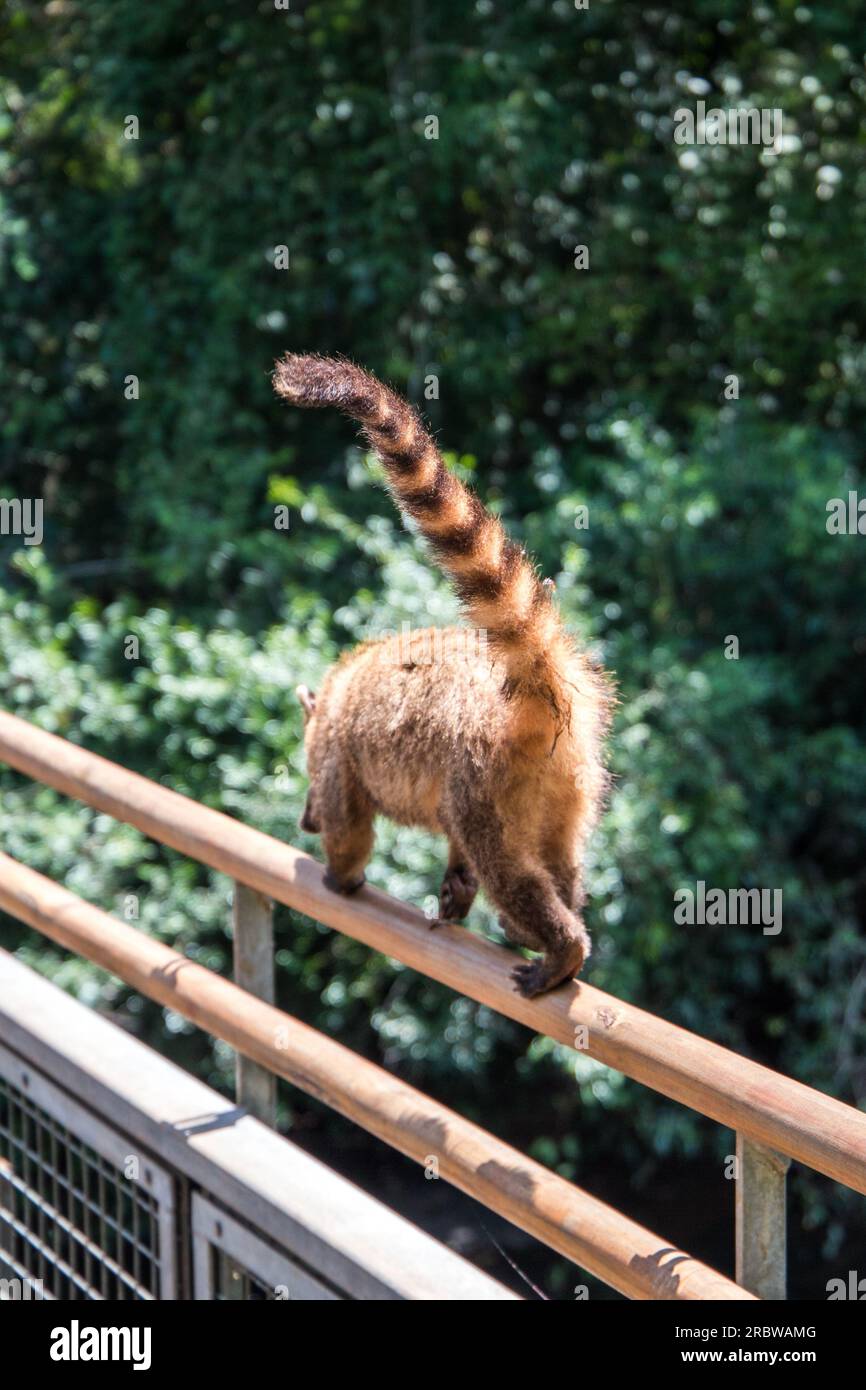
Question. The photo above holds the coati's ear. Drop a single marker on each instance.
(307, 699)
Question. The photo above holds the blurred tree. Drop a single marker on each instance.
(445, 257)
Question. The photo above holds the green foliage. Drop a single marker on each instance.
(559, 389)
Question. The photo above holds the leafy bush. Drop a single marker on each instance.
(449, 263)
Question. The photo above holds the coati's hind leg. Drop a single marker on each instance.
(345, 815)
(563, 844)
(459, 886)
(533, 913)
(565, 870)
(535, 916)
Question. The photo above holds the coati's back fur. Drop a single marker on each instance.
(491, 736)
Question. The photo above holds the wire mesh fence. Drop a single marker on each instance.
(70, 1220)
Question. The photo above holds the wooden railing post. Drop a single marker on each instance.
(253, 927)
(761, 1219)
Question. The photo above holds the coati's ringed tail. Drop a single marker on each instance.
(494, 578)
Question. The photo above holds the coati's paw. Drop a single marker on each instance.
(530, 979)
(457, 894)
(534, 977)
(344, 886)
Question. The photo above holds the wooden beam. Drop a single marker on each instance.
(762, 1105)
(578, 1226)
(253, 932)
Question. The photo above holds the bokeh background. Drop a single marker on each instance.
(559, 389)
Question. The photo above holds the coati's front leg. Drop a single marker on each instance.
(459, 887)
(345, 815)
(309, 821)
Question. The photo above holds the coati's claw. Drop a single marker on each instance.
(534, 977)
(531, 978)
(524, 980)
(345, 887)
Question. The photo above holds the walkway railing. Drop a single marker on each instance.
(775, 1118)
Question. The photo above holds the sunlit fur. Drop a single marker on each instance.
(490, 735)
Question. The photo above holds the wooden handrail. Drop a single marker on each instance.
(771, 1109)
(577, 1225)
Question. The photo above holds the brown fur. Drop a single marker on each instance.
(492, 738)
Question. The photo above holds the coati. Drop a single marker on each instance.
(494, 744)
